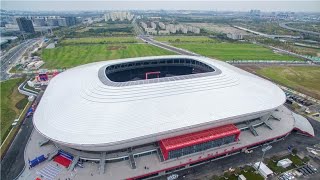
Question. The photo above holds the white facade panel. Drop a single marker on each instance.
(78, 110)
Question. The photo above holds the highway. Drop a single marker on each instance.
(13, 161)
(168, 47)
(284, 25)
(12, 57)
(272, 36)
(151, 41)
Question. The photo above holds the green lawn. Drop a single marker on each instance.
(74, 55)
(296, 162)
(210, 47)
(202, 39)
(250, 174)
(12, 103)
(105, 40)
(301, 78)
(234, 51)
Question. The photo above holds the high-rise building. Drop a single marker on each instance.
(120, 16)
(71, 21)
(25, 25)
(62, 21)
(39, 21)
(153, 25)
(52, 22)
(162, 25)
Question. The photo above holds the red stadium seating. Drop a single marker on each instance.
(62, 160)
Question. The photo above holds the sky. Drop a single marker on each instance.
(217, 5)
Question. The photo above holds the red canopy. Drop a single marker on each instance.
(190, 139)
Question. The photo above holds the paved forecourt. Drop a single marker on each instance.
(281, 126)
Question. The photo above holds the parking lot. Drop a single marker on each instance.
(306, 171)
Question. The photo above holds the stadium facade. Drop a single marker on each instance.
(172, 111)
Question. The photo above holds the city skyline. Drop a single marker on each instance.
(234, 5)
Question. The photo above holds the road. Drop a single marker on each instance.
(12, 57)
(136, 27)
(272, 36)
(151, 41)
(284, 25)
(13, 162)
(168, 47)
(290, 53)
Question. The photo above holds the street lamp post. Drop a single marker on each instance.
(264, 151)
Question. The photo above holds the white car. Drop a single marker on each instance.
(172, 177)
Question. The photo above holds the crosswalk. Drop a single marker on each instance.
(49, 172)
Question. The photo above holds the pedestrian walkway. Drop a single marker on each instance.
(49, 172)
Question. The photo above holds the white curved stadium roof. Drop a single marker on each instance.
(77, 108)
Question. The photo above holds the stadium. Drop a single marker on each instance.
(150, 116)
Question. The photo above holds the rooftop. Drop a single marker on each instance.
(199, 137)
(77, 108)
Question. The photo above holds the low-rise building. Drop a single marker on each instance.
(163, 32)
(263, 169)
(235, 36)
(284, 163)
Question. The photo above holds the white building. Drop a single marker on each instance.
(162, 25)
(163, 32)
(121, 16)
(284, 163)
(171, 28)
(263, 169)
(184, 30)
(182, 118)
(140, 110)
(153, 25)
(143, 25)
(150, 31)
(235, 36)
(196, 30)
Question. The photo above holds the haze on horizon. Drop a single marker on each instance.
(229, 5)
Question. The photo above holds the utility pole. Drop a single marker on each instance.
(264, 151)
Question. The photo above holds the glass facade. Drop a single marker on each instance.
(201, 147)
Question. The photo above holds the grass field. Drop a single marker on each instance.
(267, 27)
(74, 55)
(202, 39)
(12, 103)
(224, 50)
(296, 161)
(234, 51)
(248, 172)
(105, 40)
(303, 79)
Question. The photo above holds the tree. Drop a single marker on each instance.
(35, 54)
(294, 151)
